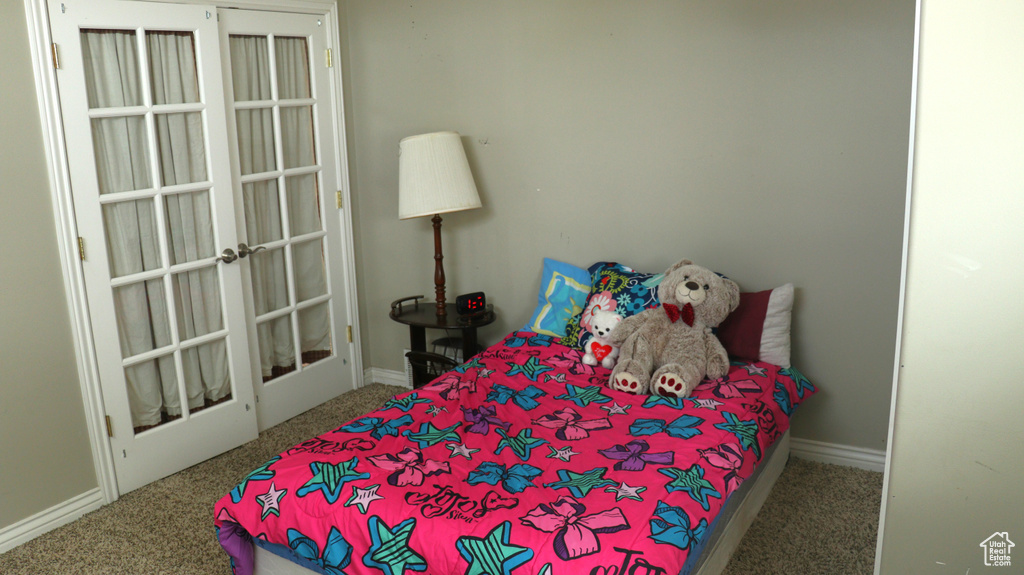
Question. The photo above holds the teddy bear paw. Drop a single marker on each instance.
(626, 382)
(670, 385)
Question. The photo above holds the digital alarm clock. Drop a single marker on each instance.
(470, 303)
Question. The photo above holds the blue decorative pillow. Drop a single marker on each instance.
(613, 287)
(563, 292)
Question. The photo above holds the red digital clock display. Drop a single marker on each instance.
(470, 303)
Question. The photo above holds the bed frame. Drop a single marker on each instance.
(733, 522)
(740, 510)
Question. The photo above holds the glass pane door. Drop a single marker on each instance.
(155, 211)
(281, 200)
(158, 223)
(287, 170)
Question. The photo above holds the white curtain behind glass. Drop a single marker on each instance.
(250, 70)
(293, 81)
(122, 151)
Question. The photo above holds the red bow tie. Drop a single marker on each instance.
(675, 313)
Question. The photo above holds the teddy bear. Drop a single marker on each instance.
(669, 349)
(599, 349)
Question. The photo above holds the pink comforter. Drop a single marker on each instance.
(519, 461)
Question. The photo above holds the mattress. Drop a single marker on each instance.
(518, 461)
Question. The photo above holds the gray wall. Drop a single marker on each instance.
(765, 140)
(45, 457)
(957, 459)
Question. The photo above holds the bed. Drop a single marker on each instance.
(522, 461)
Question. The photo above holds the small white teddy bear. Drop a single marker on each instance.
(599, 349)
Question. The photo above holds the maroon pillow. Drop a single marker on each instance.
(759, 328)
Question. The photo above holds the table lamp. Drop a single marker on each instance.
(434, 179)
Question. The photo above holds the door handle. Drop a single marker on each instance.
(244, 250)
(228, 256)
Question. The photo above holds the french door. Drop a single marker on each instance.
(209, 260)
(284, 157)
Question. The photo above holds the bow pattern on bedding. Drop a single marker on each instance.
(520, 461)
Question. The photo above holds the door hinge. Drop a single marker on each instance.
(348, 333)
(329, 62)
(341, 204)
(56, 57)
(110, 427)
(81, 248)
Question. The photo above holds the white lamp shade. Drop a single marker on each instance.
(434, 176)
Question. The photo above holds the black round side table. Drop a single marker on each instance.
(421, 316)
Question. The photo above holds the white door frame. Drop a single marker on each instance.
(903, 286)
(67, 233)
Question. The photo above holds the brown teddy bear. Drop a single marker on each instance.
(669, 349)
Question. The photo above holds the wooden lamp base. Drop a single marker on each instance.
(438, 268)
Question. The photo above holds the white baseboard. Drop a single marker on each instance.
(61, 514)
(859, 457)
(386, 376)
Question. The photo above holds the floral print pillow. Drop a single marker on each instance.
(616, 288)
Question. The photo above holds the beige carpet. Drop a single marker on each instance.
(819, 519)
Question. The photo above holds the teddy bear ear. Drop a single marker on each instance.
(734, 293)
(677, 265)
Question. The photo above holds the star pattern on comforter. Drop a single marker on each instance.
(516, 462)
